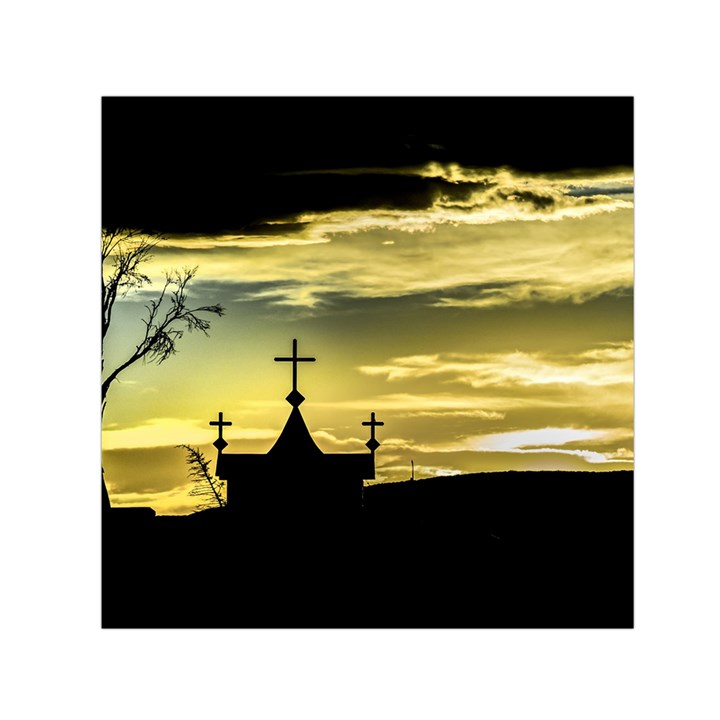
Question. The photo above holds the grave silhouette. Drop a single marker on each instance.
(294, 480)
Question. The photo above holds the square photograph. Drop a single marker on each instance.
(367, 362)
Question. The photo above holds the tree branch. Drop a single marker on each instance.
(200, 473)
(128, 250)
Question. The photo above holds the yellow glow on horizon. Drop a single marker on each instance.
(159, 432)
(516, 440)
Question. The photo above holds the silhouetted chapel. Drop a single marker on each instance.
(295, 478)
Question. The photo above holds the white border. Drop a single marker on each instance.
(59, 60)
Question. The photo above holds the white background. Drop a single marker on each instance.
(57, 60)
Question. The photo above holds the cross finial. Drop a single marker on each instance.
(294, 398)
(220, 444)
(372, 443)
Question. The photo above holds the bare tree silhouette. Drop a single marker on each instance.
(124, 253)
(206, 486)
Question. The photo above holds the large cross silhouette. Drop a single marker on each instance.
(220, 443)
(372, 443)
(294, 398)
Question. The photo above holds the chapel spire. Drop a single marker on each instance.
(295, 398)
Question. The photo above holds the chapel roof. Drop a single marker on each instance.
(295, 449)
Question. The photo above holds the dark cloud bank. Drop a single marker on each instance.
(212, 165)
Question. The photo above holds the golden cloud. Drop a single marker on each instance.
(610, 364)
(516, 238)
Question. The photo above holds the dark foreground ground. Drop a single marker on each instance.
(491, 550)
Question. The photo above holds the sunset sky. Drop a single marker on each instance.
(461, 267)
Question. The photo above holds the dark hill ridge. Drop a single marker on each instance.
(507, 501)
(514, 549)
